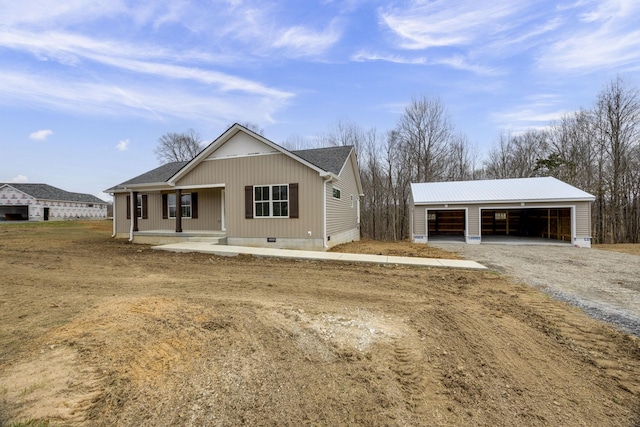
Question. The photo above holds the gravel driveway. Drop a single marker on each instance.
(603, 283)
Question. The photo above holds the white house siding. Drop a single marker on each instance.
(11, 199)
(268, 169)
(342, 214)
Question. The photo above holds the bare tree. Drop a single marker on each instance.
(178, 147)
(461, 159)
(516, 156)
(295, 142)
(617, 113)
(424, 131)
(254, 127)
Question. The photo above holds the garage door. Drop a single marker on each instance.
(14, 213)
(446, 222)
(552, 223)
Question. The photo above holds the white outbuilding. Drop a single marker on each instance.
(503, 209)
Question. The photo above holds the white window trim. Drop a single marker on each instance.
(333, 194)
(271, 201)
(139, 206)
(176, 206)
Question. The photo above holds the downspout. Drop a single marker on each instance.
(113, 213)
(324, 212)
(326, 179)
(131, 206)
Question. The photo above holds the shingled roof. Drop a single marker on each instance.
(159, 174)
(330, 159)
(48, 192)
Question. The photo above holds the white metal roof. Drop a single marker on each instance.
(497, 190)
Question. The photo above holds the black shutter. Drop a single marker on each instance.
(293, 200)
(194, 205)
(165, 207)
(145, 205)
(248, 202)
(128, 207)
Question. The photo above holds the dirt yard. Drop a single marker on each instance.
(604, 281)
(99, 332)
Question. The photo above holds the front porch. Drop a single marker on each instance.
(163, 237)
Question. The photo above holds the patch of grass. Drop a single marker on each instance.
(38, 224)
(33, 387)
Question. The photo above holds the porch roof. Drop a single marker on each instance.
(159, 175)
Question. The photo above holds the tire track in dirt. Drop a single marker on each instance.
(409, 371)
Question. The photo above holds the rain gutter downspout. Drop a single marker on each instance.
(132, 213)
(113, 210)
(326, 178)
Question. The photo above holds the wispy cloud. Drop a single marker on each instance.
(302, 41)
(102, 73)
(604, 35)
(71, 49)
(19, 179)
(123, 145)
(458, 62)
(134, 98)
(536, 112)
(41, 135)
(366, 56)
(423, 25)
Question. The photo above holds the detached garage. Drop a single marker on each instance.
(501, 210)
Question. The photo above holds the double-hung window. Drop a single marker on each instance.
(186, 205)
(139, 209)
(271, 201)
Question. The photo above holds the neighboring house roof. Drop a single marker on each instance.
(330, 159)
(48, 192)
(498, 190)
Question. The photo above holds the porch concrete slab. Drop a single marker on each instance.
(224, 250)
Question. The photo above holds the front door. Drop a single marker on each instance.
(46, 214)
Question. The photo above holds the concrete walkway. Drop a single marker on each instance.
(224, 250)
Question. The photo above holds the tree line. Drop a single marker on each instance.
(595, 149)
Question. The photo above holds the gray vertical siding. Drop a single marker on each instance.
(419, 221)
(342, 214)
(122, 223)
(583, 219)
(582, 215)
(209, 212)
(270, 169)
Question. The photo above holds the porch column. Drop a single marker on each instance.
(134, 209)
(178, 211)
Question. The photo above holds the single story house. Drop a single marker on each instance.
(248, 191)
(42, 202)
(542, 207)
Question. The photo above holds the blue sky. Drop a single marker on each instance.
(87, 87)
